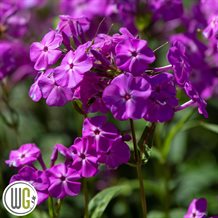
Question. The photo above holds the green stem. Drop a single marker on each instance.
(166, 199)
(134, 140)
(142, 191)
(139, 171)
(58, 208)
(86, 199)
(50, 208)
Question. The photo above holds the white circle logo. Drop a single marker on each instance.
(20, 198)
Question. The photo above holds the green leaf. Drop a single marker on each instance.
(178, 213)
(173, 132)
(211, 127)
(156, 214)
(99, 203)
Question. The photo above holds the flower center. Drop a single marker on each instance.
(82, 156)
(45, 49)
(194, 215)
(127, 97)
(71, 66)
(22, 156)
(134, 53)
(97, 131)
(63, 178)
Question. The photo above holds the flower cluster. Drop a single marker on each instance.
(122, 11)
(110, 73)
(16, 20)
(198, 208)
(101, 143)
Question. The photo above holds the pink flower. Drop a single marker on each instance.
(46, 52)
(63, 180)
(84, 157)
(26, 154)
(72, 69)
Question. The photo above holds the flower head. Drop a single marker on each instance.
(177, 57)
(127, 96)
(46, 52)
(162, 101)
(117, 153)
(26, 154)
(36, 178)
(166, 9)
(194, 95)
(197, 209)
(84, 157)
(72, 26)
(100, 130)
(72, 69)
(46, 87)
(133, 55)
(63, 181)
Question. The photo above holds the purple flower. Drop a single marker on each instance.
(126, 97)
(197, 209)
(89, 92)
(209, 7)
(88, 8)
(100, 130)
(63, 181)
(84, 157)
(133, 55)
(211, 30)
(46, 52)
(58, 148)
(46, 87)
(72, 69)
(194, 95)
(194, 49)
(35, 92)
(7, 60)
(72, 26)
(55, 95)
(116, 154)
(127, 10)
(166, 9)
(162, 101)
(26, 154)
(177, 57)
(36, 178)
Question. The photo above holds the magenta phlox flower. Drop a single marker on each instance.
(46, 52)
(63, 181)
(194, 95)
(116, 154)
(162, 101)
(100, 130)
(36, 178)
(84, 156)
(126, 96)
(24, 155)
(133, 55)
(72, 69)
(177, 57)
(197, 209)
